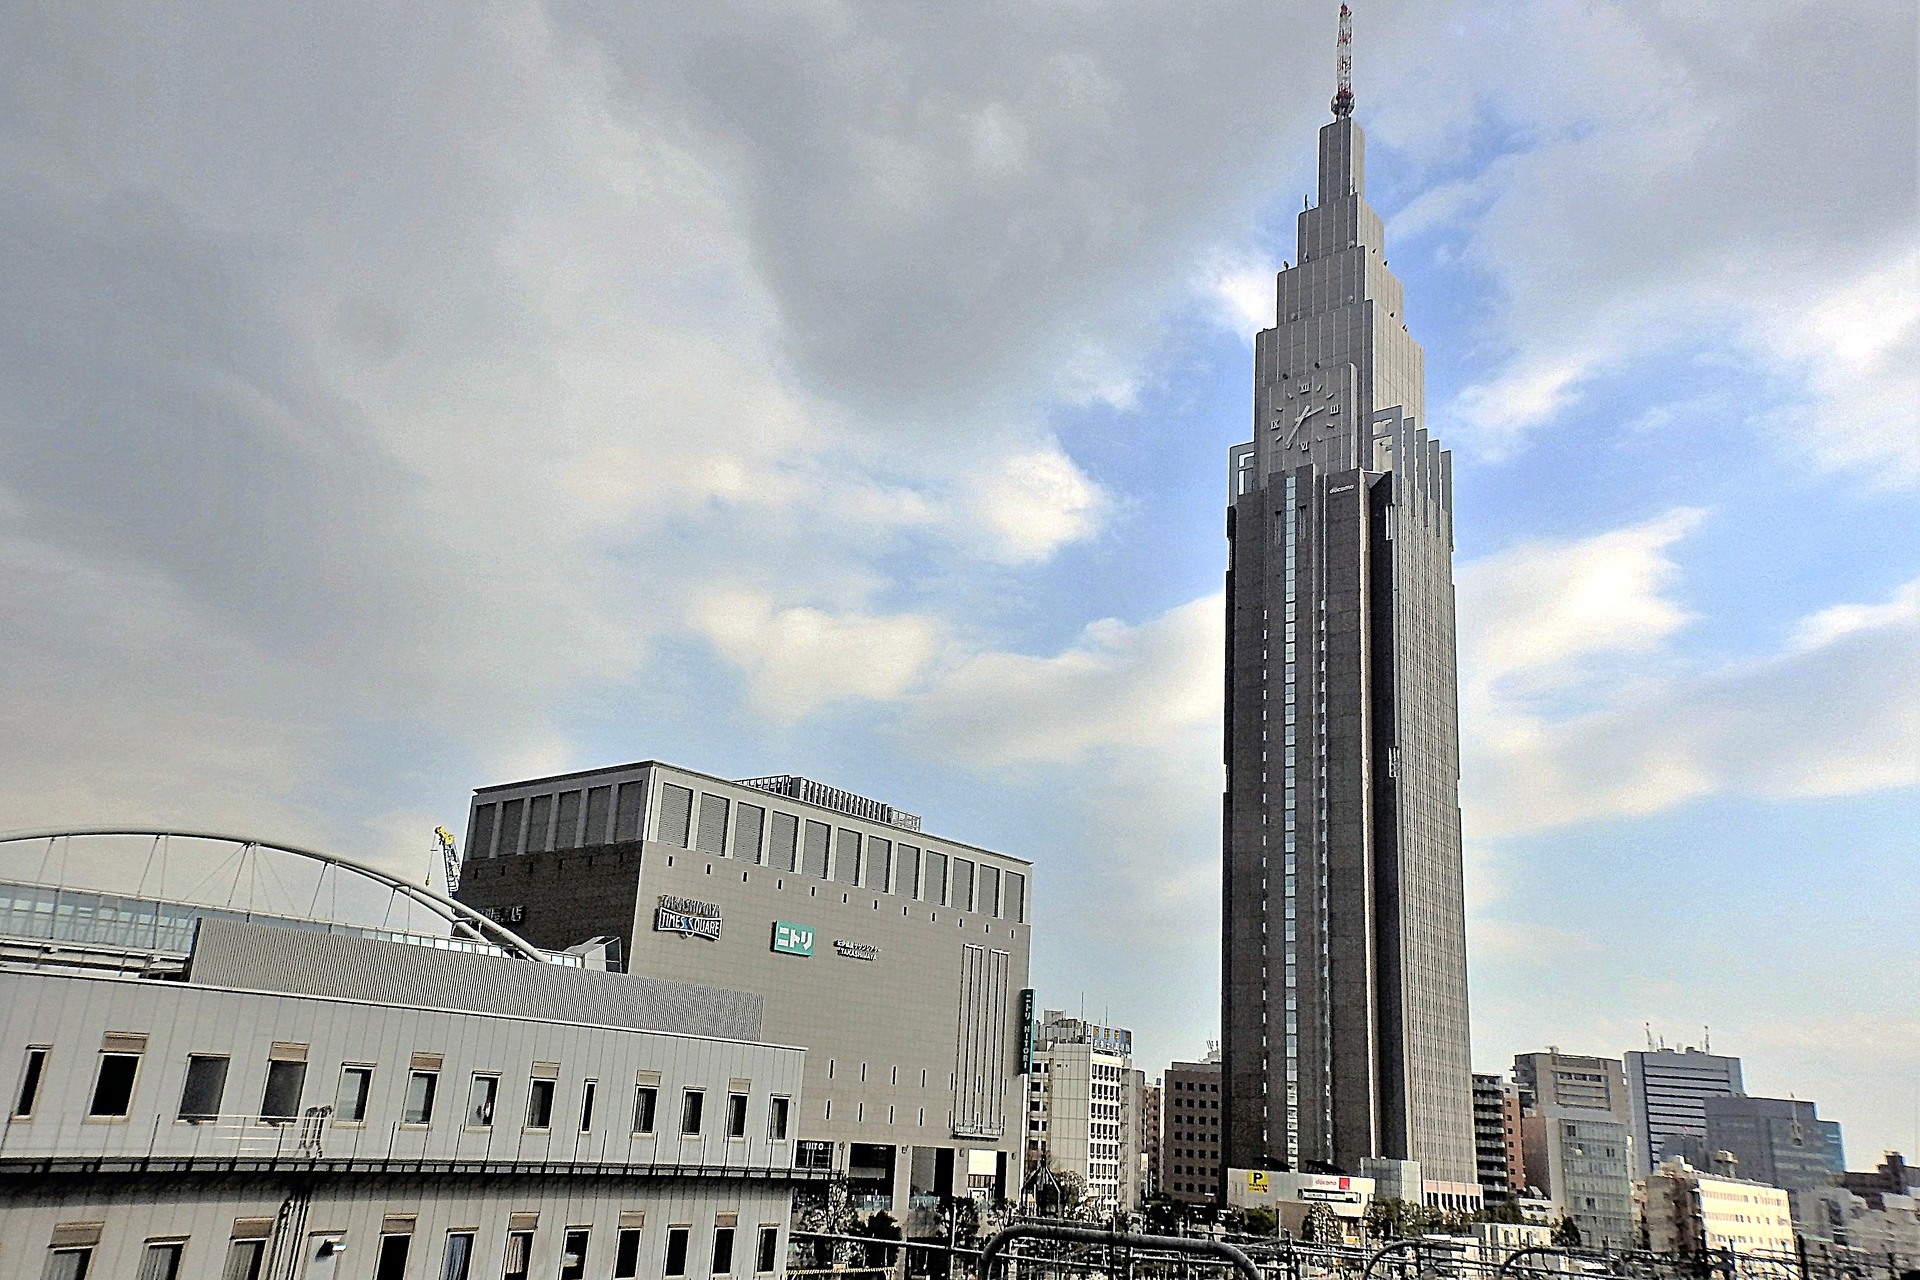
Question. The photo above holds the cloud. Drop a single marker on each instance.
(799, 660)
(1575, 707)
(1031, 504)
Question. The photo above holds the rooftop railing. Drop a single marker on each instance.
(807, 791)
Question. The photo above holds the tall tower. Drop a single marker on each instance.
(1343, 947)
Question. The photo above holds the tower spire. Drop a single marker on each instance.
(1343, 66)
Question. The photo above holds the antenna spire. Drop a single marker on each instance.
(1343, 90)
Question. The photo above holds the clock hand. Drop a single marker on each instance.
(1306, 413)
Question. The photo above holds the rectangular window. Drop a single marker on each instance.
(736, 1115)
(68, 1264)
(712, 836)
(421, 1086)
(645, 1099)
(818, 837)
(783, 843)
(936, 878)
(566, 823)
(539, 823)
(723, 1251)
(573, 1254)
(691, 1103)
(244, 1258)
(206, 1085)
(879, 864)
(480, 839)
(629, 815)
(906, 871)
(512, 814)
(748, 822)
(626, 1254)
(480, 1101)
(677, 1250)
(768, 1252)
(846, 862)
(459, 1258)
(113, 1087)
(519, 1255)
(587, 1091)
(350, 1101)
(777, 1109)
(540, 1105)
(280, 1100)
(392, 1264)
(676, 815)
(1016, 896)
(31, 1073)
(962, 888)
(161, 1262)
(599, 807)
(990, 890)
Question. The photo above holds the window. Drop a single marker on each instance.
(936, 878)
(676, 815)
(587, 1090)
(350, 1102)
(1016, 896)
(906, 872)
(519, 1255)
(243, 1260)
(30, 1075)
(736, 1115)
(280, 1100)
(814, 852)
(206, 1085)
(962, 884)
(540, 1105)
(113, 1088)
(67, 1264)
(393, 1258)
(645, 1099)
(626, 1254)
(846, 862)
(690, 1104)
(459, 1256)
(723, 1251)
(480, 1101)
(783, 842)
(421, 1086)
(161, 1262)
(748, 822)
(677, 1250)
(777, 1109)
(573, 1254)
(711, 836)
(768, 1252)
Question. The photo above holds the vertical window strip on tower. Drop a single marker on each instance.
(1290, 956)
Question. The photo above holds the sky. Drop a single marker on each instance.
(396, 400)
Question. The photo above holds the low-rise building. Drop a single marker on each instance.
(1689, 1212)
(1836, 1217)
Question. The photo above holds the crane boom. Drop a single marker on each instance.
(448, 858)
(1343, 66)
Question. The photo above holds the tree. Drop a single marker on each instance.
(1259, 1221)
(1566, 1233)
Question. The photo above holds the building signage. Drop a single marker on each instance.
(684, 915)
(1026, 1032)
(505, 915)
(1257, 1182)
(791, 939)
(1329, 1197)
(856, 950)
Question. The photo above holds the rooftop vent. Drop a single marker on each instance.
(807, 791)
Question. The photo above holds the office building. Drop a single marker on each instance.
(1190, 1141)
(1665, 1089)
(1779, 1141)
(1083, 1109)
(195, 1094)
(1575, 1145)
(1893, 1176)
(1496, 1136)
(1343, 967)
(1690, 1212)
(896, 958)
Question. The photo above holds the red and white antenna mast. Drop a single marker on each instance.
(1343, 90)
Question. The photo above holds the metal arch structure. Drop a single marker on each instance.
(462, 917)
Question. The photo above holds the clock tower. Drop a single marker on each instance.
(1343, 948)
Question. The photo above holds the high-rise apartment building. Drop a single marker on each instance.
(1343, 968)
(1496, 1136)
(1190, 1132)
(1666, 1088)
(1782, 1142)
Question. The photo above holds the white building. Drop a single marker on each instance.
(1689, 1212)
(281, 1100)
(1084, 1104)
(1839, 1217)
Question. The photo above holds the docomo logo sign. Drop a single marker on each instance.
(791, 939)
(687, 916)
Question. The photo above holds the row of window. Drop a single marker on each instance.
(245, 1259)
(204, 1092)
(783, 841)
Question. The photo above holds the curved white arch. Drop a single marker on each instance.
(458, 914)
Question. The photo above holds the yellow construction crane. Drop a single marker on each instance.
(443, 839)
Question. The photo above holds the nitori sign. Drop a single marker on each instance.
(791, 939)
(686, 916)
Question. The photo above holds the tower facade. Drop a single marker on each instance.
(1343, 965)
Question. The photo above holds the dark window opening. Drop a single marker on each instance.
(206, 1085)
(393, 1258)
(645, 1099)
(30, 1074)
(540, 1105)
(626, 1255)
(280, 1100)
(573, 1255)
(691, 1104)
(722, 1251)
(113, 1089)
(736, 1115)
(768, 1252)
(677, 1250)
